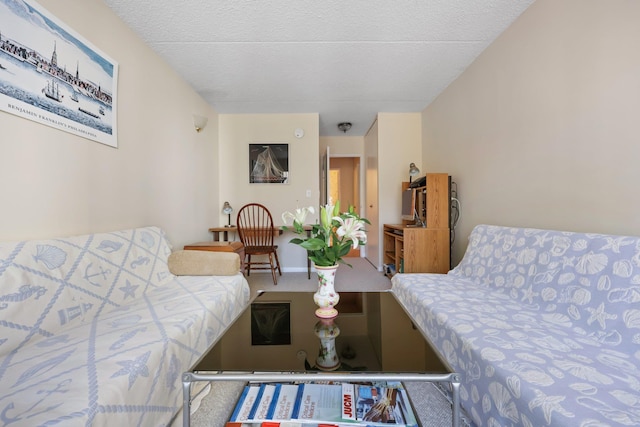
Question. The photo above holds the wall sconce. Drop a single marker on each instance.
(199, 122)
(227, 210)
(413, 171)
(344, 126)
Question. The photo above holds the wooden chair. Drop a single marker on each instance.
(256, 232)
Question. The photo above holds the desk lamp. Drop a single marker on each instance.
(413, 171)
(227, 210)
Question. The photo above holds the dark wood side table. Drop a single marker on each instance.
(225, 232)
(236, 247)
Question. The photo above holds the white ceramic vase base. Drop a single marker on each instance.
(326, 313)
(327, 331)
(326, 297)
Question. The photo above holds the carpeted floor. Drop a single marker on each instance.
(361, 277)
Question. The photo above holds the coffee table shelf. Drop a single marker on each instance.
(188, 378)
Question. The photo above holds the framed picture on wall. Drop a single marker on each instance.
(269, 163)
(271, 323)
(51, 75)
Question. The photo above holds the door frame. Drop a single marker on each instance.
(361, 186)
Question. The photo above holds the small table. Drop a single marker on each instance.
(236, 247)
(225, 232)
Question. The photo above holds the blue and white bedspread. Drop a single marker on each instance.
(95, 330)
(543, 326)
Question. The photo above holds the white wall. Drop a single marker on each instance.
(56, 184)
(542, 129)
(399, 144)
(342, 145)
(237, 131)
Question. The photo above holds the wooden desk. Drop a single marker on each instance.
(278, 231)
(225, 230)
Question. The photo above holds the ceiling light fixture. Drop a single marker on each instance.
(344, 126)
(199, 122)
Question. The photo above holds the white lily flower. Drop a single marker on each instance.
(351, 229)
(327, 242)
(326, 213)
(299, 215)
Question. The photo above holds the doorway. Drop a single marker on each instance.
(344, 185)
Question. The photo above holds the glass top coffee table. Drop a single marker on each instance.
(279, 338)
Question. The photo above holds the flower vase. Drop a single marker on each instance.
(327, 331)
(326, 296)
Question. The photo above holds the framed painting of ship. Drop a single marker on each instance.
(271, 323)
(51, 75)
(269, 163)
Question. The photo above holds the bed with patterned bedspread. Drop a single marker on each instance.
(543, 326)
(95, 330)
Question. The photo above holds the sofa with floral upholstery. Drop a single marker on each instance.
(96, 330)
(543, 326)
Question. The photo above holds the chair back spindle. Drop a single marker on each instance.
(256, 232)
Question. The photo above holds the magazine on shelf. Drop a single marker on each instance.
(263, 402)
(318, 402)
(245, 403)
(284, 400)
(335, 404)
(376, 405)
(349, 401)
(286, 424)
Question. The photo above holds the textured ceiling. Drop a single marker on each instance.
(344, 59)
